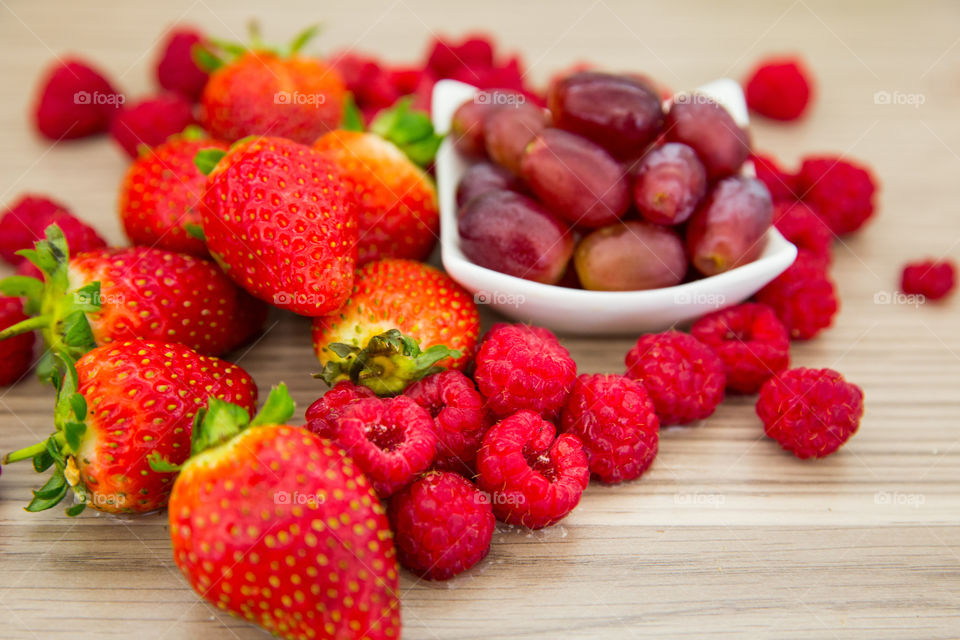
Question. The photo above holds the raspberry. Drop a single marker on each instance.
(523, 367)
(750, 340)
(933, 279)
(75, 100)
(391, 439)
(446, 57)
(810, 412)
(177, 70)
(779, 88)
(617, 424)
(16, 353)
(26, 221)
(442, 525)
(323, 415)
(803, 227)
(151, 121)
(459, 418)
(779, 182)
(683, 376)
(533, 479)
(839, 191)
(803, 297)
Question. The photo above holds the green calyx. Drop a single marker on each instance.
(60, 449)
(58, 312)
(409, 129)
(216, 53)
(388, 364)
(221, 421)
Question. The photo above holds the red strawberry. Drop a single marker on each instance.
(151, 121)
(16, 353)
(266, 92)
(177, 68)
(26, 220)
(276, 526)
(277, 221)
(74, 101)
(162, 195)
(396, 307)
(396, 200)
(110, 295)
(119, 405)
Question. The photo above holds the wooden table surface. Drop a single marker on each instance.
(726, 535)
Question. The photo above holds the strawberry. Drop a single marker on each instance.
(75, 100)
(278, 223)
(118, 405)
(162, 195)
(396, 200)
(279, 527)
(108, 295)
(397, 307)
(150, 121)
(270, 92)
(177, 68)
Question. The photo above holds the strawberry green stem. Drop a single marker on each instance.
(26, 326)
(28, 453)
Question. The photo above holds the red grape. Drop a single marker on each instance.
(670, 182)
(701, 123)
(509, 130)
(485, 176)
(466, 127)
(630, 256)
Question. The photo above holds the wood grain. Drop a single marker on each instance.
(726, 536)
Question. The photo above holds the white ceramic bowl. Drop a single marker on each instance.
(592, 312)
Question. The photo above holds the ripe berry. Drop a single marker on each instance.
(750, 340)
(840, 191)
(803, 297)
(522, 367)
(779, 88)
(150, 122)
(75, 100)
(617, 424)
(391, 439)
(933, 279)
(25, 222)
(442, 525)
(533, 479)
(16, 353)
(779, 182)
(801, 225)
(684, 377)
(322, 416)
(177, 68)
(459, 418)
(810, 412)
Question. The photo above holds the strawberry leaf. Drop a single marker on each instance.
(207, 159)
(160, 464)
(277, 409)
(76, 509)
(352, 118)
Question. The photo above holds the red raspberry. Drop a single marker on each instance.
(803, 227)
(839, 191)
(810, 412)
(323, 415)
(459, 418)
(617, 424)
(533, 479)
(177, 69)
(523, 367)
(391, 439)
(151, 121)
(779, 182)
(442, 525)
(933, 279)
(779, 88)
(803, 297)
(750, 340)
(683, 376)
(16, 353)
(447, 57)
(75, 100)
(27, 219)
